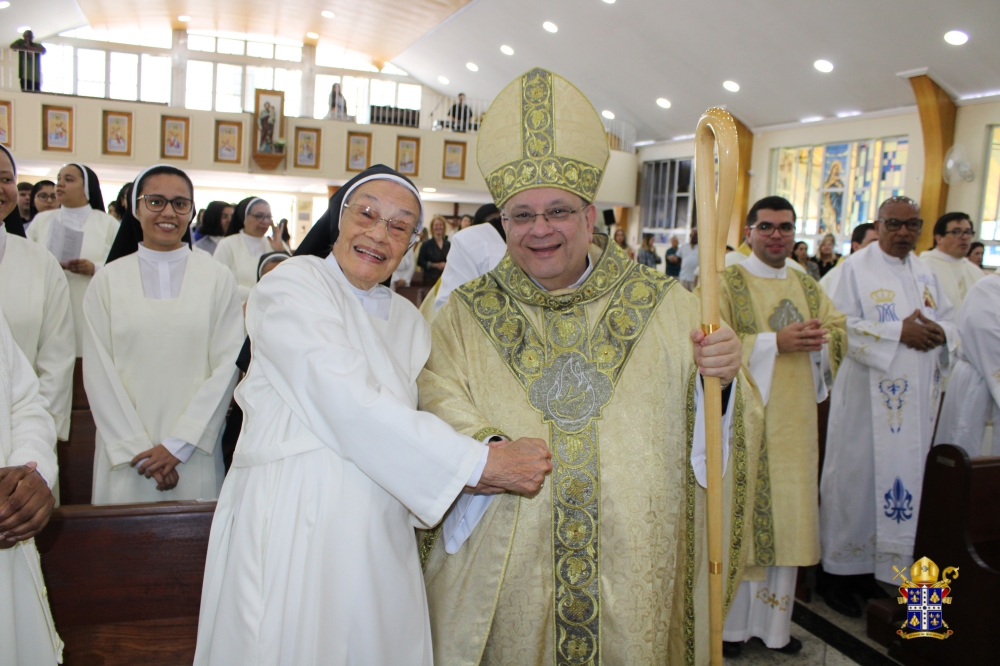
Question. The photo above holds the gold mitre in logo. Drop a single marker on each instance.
(541, 131)
(924, 572)
(883, 295)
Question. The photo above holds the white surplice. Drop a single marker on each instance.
(882, 414)
(970, 415)
(99, 231)
(160, 370)
(241, 253)
(475, 251)
(27, 634)
(34, 297)
(956, 276)
(312, 557)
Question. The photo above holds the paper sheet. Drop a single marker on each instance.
(65, 243)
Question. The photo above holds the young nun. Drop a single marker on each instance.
(81, 210)
(213, 225)
(163, 329)
(27, 467)
(245, 242)
(34, 297)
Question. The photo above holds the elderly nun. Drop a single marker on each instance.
(245, 242)
(312, 557)
(163, 329)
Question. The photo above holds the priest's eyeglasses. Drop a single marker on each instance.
(367, 218)
(786, 229)
(525, 217)
(912, 224)
(157, 203)
(960, 233)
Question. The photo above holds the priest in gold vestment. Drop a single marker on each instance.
(569, 341)
(793, 341)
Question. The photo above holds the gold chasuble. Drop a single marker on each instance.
(606, 565)
(786, 509)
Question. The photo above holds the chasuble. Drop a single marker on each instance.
(607, 564)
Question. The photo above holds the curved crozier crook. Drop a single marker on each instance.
(716, 128)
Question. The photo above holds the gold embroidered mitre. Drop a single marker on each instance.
(541, 131)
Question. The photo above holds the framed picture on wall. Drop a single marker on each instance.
(174, 134)
(408, 155)
(117, 137)
(228, 142)
(307, 143)
(57, 128)
(454, 160)
(359, 151)
(6, 124)
(269, 110)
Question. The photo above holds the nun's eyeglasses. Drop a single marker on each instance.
(157, 203)
(367, 218)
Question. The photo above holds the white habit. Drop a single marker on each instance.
(99, 231)
(970, 416)
(240, 253)
(475, 251)
(163, 333)
(407, 266)
(882, 414)
(956, 276)
(312, 558)
(35, 300)
(27, 634)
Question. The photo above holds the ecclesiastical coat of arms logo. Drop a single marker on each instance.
(925, 597)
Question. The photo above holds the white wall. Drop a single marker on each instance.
(972, 131)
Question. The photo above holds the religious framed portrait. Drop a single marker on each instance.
(307, 143)
(175, 132)
(57, 128)
(454, 160)
(269, 125)
(117, 137)
(408, 155)
(359, 151)
(228, 142)
(6, 122)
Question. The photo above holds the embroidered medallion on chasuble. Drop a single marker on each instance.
(541, 131)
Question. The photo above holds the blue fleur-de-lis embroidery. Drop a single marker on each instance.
(893, 391)
(898, 502)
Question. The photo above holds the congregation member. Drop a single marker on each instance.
(213, 225)
(970, 415)
(647, 254)
(688, 254)
(900, 340)
(22, 211)
(312, 558)
(863, 235)
(976, 252)
(28, 468)
(79, 233)
(269, 261)
(800, 253)
(433, 257)
(619, 238)
(164, 328)
(953, 234)
(793, 338)
(673, 261)
(245, 241)
(43, 198)
(473, 253)
(570, 341)
(826, 255)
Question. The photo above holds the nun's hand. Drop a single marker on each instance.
(157, 461)
(277, 243)
(81, 267)
(27, 504)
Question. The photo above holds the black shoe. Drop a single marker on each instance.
(838, 596)
(731, 650)
(794, 646)
(866, 587)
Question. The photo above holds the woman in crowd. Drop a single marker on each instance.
(164, 328)
(43, 198)
(434, 253)
(647, 255)
(213, 227)
(338, 104)
(80, 213)
(976, 251)
(465, 222)
(800, 253)
(619, 238)
(245, 242)
(826, 257)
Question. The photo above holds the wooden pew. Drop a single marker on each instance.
(959, 526)
(124, 581)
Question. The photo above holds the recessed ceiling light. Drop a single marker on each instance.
(610, 2)
(824, 66)
(664, 102)
(327, 14)
(956, 37)
(811, 119)
(183, 18)
(312, 35)
(430, 190)
(443, 80)
(607, 114)
(550, 26)
(731, 86)
(848, 114)
(4, 4)
(506, 50)
(472, 67)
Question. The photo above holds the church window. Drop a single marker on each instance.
(666, 194)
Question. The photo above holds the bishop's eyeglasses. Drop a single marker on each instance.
(157, 203)
(367, 218)
(525, 217)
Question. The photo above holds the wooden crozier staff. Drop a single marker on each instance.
(715, 129)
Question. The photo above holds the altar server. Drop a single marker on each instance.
(27, 469)
(245, 242)
(80, 212)
(164, 328)
(953, 234)
(970, 415)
